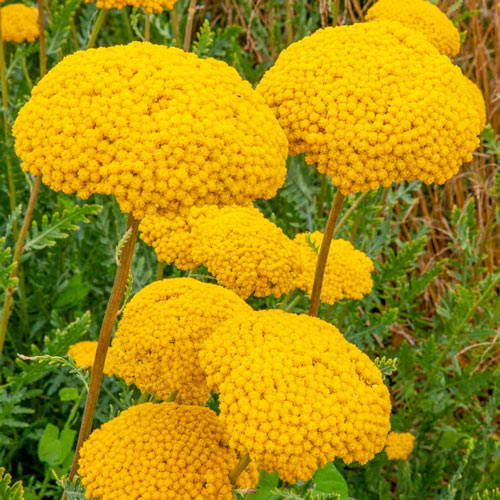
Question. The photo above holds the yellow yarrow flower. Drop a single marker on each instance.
(244, 251)
(399, 445)
(294, 393)
(83, 354)
(19, 23)
(347, 273)
(163, 327)
(477, 99)
(147, 5)
(160, 452)
(161, 129)
(423, 16)
(373, 103)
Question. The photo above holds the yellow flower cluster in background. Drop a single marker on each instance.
(399, 445)
(249, 254)
(157, 340)
(347, 273)
(422, 16)
(147, 5)
(294, 393)
(83, 354)
(160, 452)
(161, 129)
(19, 23)
(373, 103)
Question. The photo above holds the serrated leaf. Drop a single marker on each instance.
(57, 227)
(73, 292)
(10, 491)
(267, 483)
(60, 24)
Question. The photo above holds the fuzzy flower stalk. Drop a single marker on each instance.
(369, 105)
(162, 131)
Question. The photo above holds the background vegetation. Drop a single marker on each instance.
(435, 306)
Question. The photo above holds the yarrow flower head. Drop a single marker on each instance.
(423, 16)
(347, 274)
(147, 5)
(162, 329)
(294, 393)
(19, 23)
(242, 249)
(399, 445)
(160, 451)
(83, 354)
(161, 129)
(373, 103)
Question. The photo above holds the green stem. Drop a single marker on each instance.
(289, 16)
(343, 313)
(45, 483)
(189, 25)
(159, 270)
(172, 396)
(26, 73)
(294, 302)
(335, 17)
(147, 27)
(41, 39)
(76, 405)
(97, 27)
(126, 18)
(144, 397)
(288, 298)
(175, 25)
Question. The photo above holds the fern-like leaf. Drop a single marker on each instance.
(10, 491)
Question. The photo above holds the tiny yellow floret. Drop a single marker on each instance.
(147, 5)
(19, 23)
(294, 393)
(348, 270)
(161, 452)
(399, 445)
(159, 128)
(423, 16)
(83, 354)
(163, 327)
(374, 103)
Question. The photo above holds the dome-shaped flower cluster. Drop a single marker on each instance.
(294, 393)
(147, 5)
(248, 254)
(157, 340)
(161, 129)
(477, 100)
(347, 272)
(423, 16)
(160, 452)
(399, 445)
(83, 354)
(19, 23)
(373, 103)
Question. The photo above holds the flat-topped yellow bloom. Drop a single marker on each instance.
(163, 327)
(399, 445)
(373, 103)
(161, 129)
(83, 354)
(161, 452)
(294, 393)
(147, 5)
(19, 23)
(422, 16)
(347, 274)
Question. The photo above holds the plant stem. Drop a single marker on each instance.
(335, 17)
(6, 130)
(349, 212)
(97, 27)
(159, 270)
(108, 322)
(126, 18)
(41, 28)
(189, 25)
(322, 195)
(17, 256)
(172, 396)
(291, 296)
(26, 73)
(175, 25)
(239, 468)
(289, 16)
(147, 27)
(323, 252)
